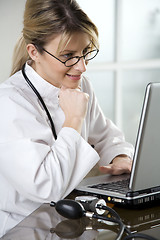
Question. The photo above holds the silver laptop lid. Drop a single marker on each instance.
(146, 164)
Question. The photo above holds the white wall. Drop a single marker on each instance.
(11, 22)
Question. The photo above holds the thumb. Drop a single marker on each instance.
(106, 169)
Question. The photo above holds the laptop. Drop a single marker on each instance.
(142, 186)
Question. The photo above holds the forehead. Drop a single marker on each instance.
(74, 42)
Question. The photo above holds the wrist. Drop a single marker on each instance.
(75, 123)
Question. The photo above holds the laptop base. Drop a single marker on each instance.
(141, 202)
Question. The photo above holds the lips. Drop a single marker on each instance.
(74, 77)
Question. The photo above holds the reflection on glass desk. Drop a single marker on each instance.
(45, 223)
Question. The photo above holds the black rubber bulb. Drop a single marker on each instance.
(69, 209)
(69, 229)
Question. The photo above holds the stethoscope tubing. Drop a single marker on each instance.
(41, 100)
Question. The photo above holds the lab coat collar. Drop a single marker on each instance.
(45, 89)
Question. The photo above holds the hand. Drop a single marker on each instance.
(74, 103)
(119, 165)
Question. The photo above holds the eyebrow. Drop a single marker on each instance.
(71, 51)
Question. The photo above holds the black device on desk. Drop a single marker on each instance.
(142, 186)
(46, 223)
(94, 208)
(71, 229)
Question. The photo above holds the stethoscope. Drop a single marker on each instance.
(41, 100)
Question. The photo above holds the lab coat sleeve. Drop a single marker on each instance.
(36, 170)
(107, 139)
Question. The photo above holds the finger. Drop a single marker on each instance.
(79, 88)
(112, 170)
(106, 169)
(63, 87)
(87, 95)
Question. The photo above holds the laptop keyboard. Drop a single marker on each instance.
(119, 186)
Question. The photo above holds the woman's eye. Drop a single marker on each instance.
(86, 50)
(66, 56)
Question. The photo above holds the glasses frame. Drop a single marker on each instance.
(78, 58)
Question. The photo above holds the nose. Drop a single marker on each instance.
(81, 65)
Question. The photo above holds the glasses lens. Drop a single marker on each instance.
(70, 62)
(91, 55)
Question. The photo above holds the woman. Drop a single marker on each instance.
(43, 160)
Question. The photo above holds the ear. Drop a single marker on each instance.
(33, 52)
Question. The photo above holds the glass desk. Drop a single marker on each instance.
(46, 224)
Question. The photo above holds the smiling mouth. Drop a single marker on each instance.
(74, 77)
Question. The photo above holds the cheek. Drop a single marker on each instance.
(59, 73)
(54, 72)
(57, 68)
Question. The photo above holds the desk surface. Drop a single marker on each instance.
(45, 223)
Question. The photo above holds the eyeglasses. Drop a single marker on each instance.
(74, 60)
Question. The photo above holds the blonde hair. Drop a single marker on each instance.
(45, 18)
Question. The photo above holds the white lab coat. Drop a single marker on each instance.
(34, 168)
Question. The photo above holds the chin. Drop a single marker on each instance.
(72, 86)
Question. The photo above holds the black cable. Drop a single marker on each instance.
(139, 235)
(114, 213)
(119, 222)
(130, 235)
(41, 100)
(111, 210)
